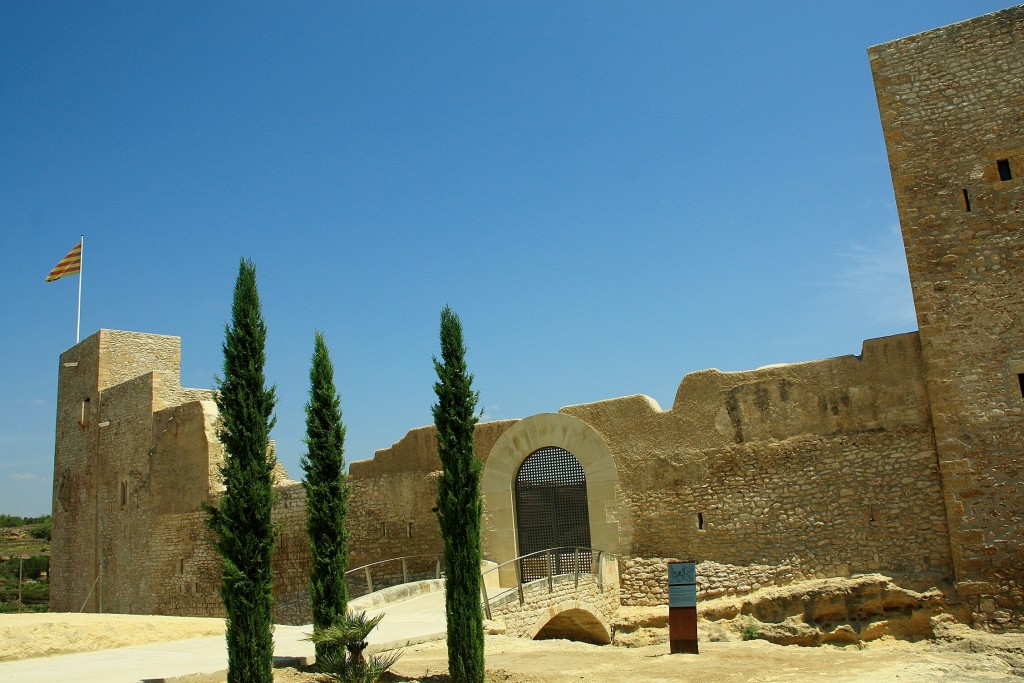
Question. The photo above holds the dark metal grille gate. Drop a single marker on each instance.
(551, 512)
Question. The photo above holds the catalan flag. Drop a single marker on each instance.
(69, 265)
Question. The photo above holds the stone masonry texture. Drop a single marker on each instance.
(952, 108)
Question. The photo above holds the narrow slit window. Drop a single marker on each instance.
(124, 493)
(967, 200)
(384, 530)
(409, 530)
(1020, 382)
(1004, 169)
(700, 521)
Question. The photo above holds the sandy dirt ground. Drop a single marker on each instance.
(45, 634)
(956, 654)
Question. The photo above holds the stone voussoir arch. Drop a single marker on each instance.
(587, 623)
(503, 462)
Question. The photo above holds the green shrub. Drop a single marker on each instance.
(751, 632)
(44, 529)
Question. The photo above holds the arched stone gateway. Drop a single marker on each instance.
(559, 433)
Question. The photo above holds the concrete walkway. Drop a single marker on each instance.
(417, 618)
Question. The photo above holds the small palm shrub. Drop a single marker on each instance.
(343, 644)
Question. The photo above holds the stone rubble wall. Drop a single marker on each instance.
(645, 579)
(187, 568)
(830, 461)
(188, 565)
(391, 515)
(845, 504)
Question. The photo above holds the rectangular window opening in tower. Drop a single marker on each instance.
(1004, 169)
(83, 418)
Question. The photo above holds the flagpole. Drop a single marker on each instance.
(81, 264)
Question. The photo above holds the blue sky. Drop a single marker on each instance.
(611, 195)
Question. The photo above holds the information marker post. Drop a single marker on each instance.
(682, 608)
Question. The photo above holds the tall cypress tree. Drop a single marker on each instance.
(458, 503)
(245, 532)
(326, 495)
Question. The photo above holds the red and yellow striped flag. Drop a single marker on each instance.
(69, 265)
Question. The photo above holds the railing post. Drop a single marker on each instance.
(600, 570)
(405, 571)
(519, 582)
(551, 583)
(487, 601)
(369, 580)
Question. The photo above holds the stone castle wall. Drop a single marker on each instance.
(389, 516)
(828, 467)
(952, 108)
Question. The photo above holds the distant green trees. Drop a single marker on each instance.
(10, 521)
(459, 506)
(326, 498)
(242, 521)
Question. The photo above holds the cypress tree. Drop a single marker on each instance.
(326, 495)
(458, 503)
(242, 522)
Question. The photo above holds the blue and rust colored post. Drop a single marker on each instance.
(682, 607)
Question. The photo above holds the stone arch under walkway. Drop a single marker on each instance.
(499, 474)
(572, 620)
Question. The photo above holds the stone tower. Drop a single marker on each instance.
(952, 108)
(131, 443)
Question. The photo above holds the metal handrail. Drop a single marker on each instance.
(577, 550)
(405, 568)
